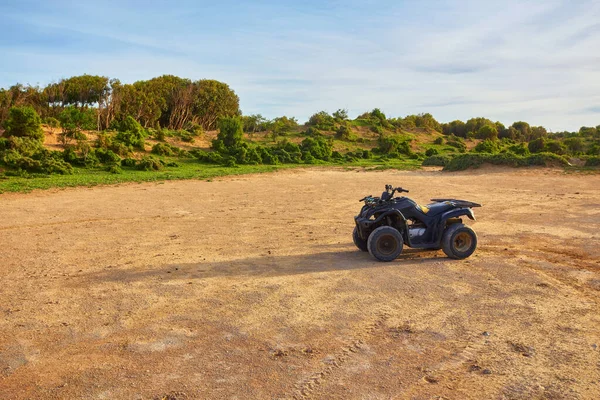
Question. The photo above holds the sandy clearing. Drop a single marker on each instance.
(250, 287)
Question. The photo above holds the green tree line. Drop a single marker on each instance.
(167, 101)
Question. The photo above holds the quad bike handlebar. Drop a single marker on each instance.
(390, 188)
(387, 195)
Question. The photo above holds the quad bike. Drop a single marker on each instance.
(385, 224)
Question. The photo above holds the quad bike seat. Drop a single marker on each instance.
(436, 208)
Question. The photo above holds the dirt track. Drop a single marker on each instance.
(250, 287)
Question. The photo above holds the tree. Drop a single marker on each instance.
(456, 128)
(537, 145)
(487, 132)
(73, 121)
(523, 131)
(230, 134)
(213, 101)
(574, 144)
(473, 125)
(322, 120)
(281, 126)
(341, 115)
(24, 122)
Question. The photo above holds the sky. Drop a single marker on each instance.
(537, 61)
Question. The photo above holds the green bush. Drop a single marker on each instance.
(43, 162)
(131, 133)
(487, 146)
(207, 157)
(149, 163)
(114, 169)
(474, 160)
(107, 156)
(431, 152)
(439, 140)
(394, 145)
(345, 133)
(519, 149)
(318, 147)
(436, 160)
(487, 132)
(51, 122)
(457, 143)
(128, 162)
(593, 161)
(537, 145)
(230, 134)
(312, 131)
(23, 122)
(164, 149)
(108, 141)
(556, 147)
(377, 129)
(323, 121)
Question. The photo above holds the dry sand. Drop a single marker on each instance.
(250, 287)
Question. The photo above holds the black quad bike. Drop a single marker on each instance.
(385, 224)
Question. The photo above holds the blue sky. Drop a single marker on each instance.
(537, 61)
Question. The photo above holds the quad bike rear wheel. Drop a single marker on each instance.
(459, 241)
(385, 243)
(358, 241)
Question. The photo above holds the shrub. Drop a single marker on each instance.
(106, 156)
(593, 161)
(282, 125)
(474, 160)
(554, 146)
(208, 157)
(537, 145)
(312, 131)
(131, 133)
(594, 150)
(114, 169)
(439, 140)
(149, 163)
(456, 142)
(394, 145)
(318, 147)
(51, 122)
(128, 162)
(322, 120)
(345, 133)
(230, 134)
(487, 146)
(23, 122)
(436, 160)
(519, 149)
(340, 115)
(25, 146)
(45, 162)
(377, 129)
(431, 152)
(487, 132)
(163, 149)
(574, 144)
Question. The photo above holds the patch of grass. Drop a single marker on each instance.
(187, 169)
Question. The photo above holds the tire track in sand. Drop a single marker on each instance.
(307, 388)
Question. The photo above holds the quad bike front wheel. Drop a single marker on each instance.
(385, 243)
(358, 241)
(459, 241)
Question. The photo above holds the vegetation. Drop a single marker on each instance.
(169, 126)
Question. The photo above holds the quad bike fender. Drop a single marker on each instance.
(457, 213)
(366, 225)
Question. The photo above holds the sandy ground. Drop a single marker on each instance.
(250, 287)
